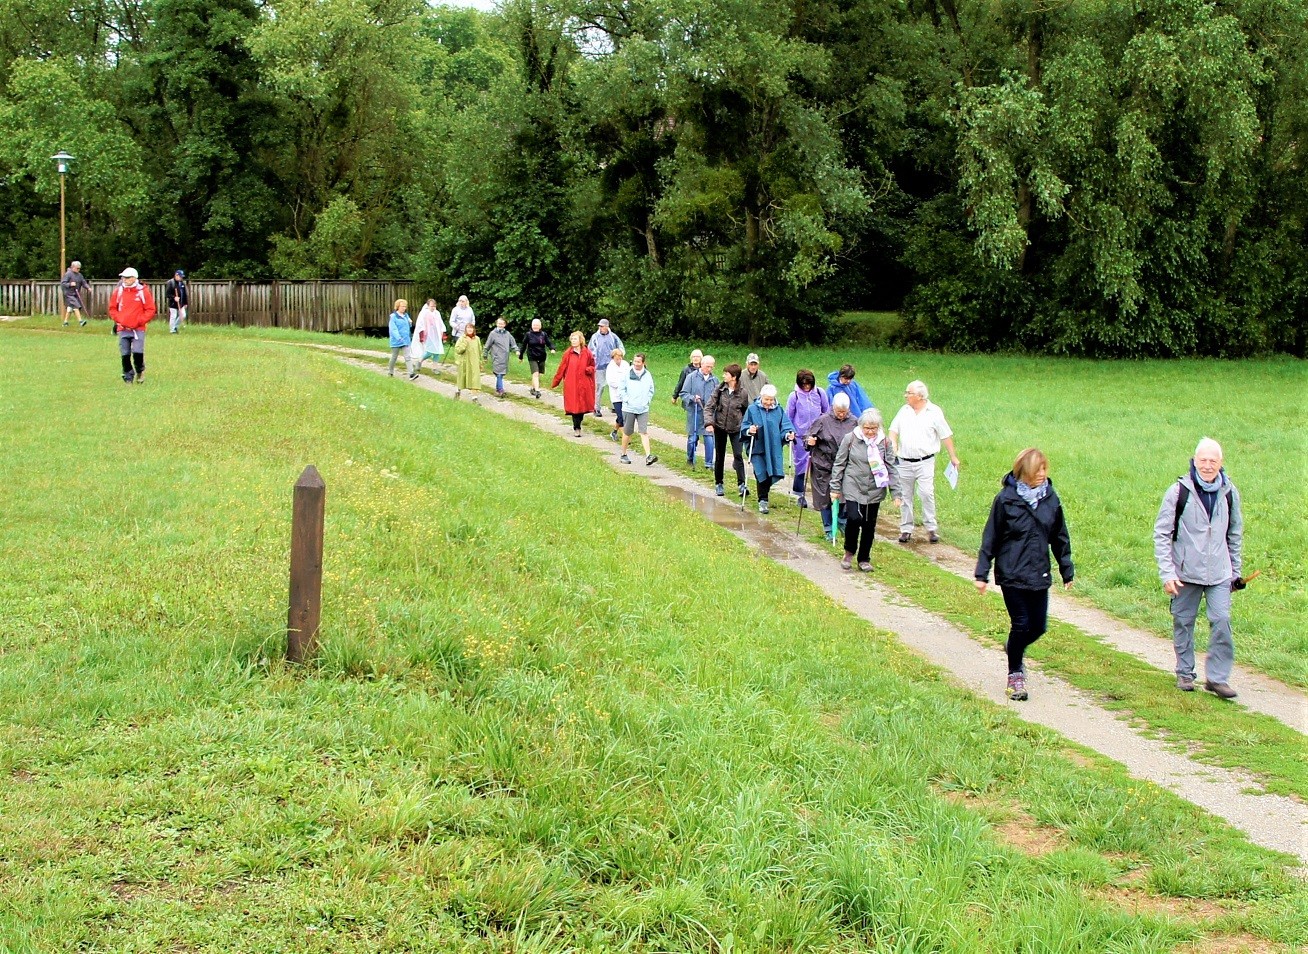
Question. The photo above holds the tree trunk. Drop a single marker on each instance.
(651, 242)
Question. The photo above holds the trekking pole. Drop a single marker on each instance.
(749, 463)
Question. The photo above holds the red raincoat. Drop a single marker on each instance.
(577, 372)
(131, 309)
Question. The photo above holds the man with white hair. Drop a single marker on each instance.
(695, 395)
(696, 357)
(917, 432)
(76, 291)
(1197, 543)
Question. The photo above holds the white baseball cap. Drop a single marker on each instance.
(128, 273)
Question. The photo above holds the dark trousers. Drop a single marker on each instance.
(798, 485)
(720, 456)
(617, 412)
(765, 487)
(860, 528)
(1029, 612)
(576, 421)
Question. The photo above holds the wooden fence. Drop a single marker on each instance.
(307, 306)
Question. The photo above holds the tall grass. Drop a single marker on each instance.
(553, 710)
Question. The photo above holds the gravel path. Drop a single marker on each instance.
(1269, 820)
(1258, 692)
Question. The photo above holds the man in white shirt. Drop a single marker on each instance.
(916, 434)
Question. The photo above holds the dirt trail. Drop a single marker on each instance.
(1269, 820)
(1258, 692)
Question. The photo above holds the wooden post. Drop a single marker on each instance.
(306, 566)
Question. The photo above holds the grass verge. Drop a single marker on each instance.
(552, 710)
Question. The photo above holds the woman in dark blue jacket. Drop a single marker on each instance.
(1026, 522)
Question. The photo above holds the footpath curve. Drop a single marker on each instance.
(1258, 692)
(1272, 821)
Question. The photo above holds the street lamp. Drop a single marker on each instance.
(61, 159)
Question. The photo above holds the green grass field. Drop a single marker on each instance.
(554, 711)
(1117, 435)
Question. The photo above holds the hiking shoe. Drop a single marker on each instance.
(65, 324)
(865, 567)
(613, 436)
(625, 459)
(743, 490)
(576, 432)
(847, 562)
(140, 378)
(933, 537)
(598, 412)
(802, 501)
(763, 506)
(1185, 683)
(1220, 689)
(414, 376)
(720, 490)
(651, 459)
(81, 323)
(905, 537)
(707, 465)
(1016, 687)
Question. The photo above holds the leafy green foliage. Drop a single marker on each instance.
(1077, 178)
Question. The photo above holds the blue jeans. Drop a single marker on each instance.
(692, 443)
(499, 382)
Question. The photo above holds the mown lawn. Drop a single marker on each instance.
(553, 710)
(1117, 435)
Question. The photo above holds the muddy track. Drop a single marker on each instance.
(1272, 821)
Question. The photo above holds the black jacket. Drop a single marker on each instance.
(1018, 540)
(681, 380)
(537, 344)
(175, 289)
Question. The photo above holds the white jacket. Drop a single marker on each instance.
(615, 376)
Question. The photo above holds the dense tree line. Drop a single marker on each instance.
(1076, 176)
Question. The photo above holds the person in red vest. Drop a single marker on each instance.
(131, 308)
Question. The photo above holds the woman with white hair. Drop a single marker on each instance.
(768, 429)
(823, 442)
(864, 474)
(460, 316)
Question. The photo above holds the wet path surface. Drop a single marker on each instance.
(1258, 692)
(1272, 821)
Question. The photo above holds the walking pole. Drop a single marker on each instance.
(749, 464)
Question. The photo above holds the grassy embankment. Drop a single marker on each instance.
(548, 715)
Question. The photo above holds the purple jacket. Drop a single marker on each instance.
(803, 408)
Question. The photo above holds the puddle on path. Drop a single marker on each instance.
(727, 514)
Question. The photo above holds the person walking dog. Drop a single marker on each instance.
(1198, 542)
(1026, 522)
(131, 307)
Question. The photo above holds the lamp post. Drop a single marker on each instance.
(62, 159)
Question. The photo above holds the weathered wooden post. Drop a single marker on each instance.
(306, 566)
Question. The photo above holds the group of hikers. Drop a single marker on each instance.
(846, 461)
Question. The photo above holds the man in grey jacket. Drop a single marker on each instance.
(602, 343)
(1197, 543)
